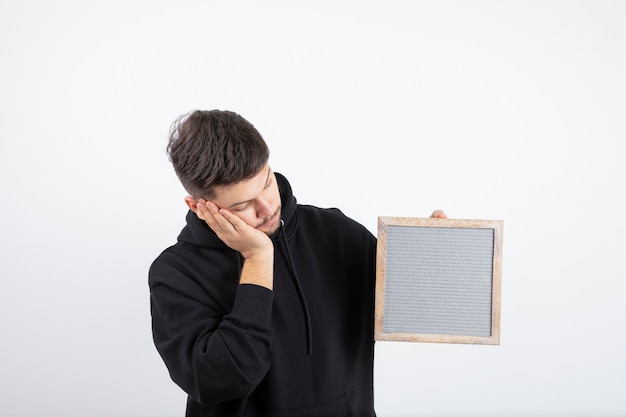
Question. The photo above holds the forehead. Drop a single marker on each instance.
(244, 190)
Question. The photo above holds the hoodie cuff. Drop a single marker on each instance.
(253, 304)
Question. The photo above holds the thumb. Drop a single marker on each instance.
(438, 214)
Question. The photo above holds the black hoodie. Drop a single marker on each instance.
(304, 349)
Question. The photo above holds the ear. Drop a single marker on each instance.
(192, 204)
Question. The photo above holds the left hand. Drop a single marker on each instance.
(438, 214)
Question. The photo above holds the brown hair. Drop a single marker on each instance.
(216, 147)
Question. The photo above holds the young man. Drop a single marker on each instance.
(264, 307)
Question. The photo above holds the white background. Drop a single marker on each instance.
(511, 110)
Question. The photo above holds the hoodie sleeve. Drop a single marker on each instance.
(213, 355)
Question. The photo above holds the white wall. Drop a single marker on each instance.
(508, 110)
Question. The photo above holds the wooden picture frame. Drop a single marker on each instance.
(438, 280)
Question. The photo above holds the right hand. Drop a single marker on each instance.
(232, 230)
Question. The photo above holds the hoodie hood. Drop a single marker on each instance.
(198, 233)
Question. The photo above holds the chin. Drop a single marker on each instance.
(270, 229)
(272, 225)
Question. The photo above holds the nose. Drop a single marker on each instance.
(264, 208)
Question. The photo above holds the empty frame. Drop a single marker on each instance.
(438, 280)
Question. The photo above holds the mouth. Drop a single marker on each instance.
(271, 222)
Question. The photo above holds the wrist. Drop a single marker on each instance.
(259, 255)
(258, 269)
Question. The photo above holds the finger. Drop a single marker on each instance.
(233, 220)
(438, 214)
(209, 212)
(206, 213)
(227, 221)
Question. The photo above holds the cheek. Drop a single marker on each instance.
(249, 217)
(275, 196)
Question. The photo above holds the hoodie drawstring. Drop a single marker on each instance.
(296, 280)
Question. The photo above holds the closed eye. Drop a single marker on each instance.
(240, 207)
(244, 204)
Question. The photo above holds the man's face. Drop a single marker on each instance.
(256, 200)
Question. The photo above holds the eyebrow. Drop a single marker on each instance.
(267, 180)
